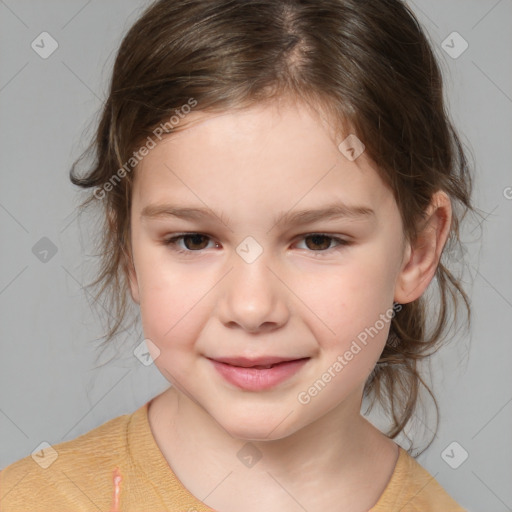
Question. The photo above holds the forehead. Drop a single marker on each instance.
(284, 153)
(281, 108)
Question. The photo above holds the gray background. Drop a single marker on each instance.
(50, 389)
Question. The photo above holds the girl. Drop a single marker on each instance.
(279, 180)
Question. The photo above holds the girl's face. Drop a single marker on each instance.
(292, 251)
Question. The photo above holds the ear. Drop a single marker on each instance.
(422, 257)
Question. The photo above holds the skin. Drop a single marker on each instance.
(299, 298)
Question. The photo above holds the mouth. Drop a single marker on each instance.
(260, 363)
(257, 375)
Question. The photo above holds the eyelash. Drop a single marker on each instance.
(172, 242)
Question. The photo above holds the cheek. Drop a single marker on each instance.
(171, 319)
(165, 311)
(350, 315)
(172, 303)
(343, 303)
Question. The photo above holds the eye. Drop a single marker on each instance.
(319, 242)
(193, 242)
(188, 243)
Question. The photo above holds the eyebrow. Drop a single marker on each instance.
(295, 218)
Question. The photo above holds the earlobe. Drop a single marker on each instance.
(421, 258)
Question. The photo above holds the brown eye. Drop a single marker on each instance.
(319, 242)
(195, 242)
(188, 242)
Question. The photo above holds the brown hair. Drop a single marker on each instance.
(368, 64)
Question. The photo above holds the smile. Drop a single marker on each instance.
(258, 377)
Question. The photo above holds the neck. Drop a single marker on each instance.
(342, 449)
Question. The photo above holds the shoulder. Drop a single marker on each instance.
(413, 489)
(67, 473)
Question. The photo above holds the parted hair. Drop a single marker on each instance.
(366, 64)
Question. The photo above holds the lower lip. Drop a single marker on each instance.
(253, 379)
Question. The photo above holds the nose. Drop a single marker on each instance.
(253, 297)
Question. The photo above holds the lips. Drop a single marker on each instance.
(258, 363)
(258, 374)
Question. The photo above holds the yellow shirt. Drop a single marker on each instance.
(118, 467)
